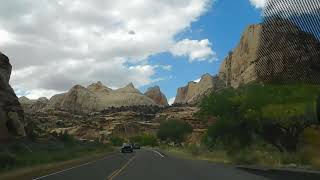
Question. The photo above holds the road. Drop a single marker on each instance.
(152, 165)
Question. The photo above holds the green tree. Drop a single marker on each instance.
(174, 130)
(116, 141)
(145, 140)
(276, 113)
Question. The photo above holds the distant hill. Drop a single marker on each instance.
(95, 97)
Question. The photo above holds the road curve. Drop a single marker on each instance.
(148, 164)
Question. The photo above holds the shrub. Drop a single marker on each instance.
(145, 140)
(7, 160)
(66, 138)
(174, 130)
(276, 113)
(194, 149)
(116, 141)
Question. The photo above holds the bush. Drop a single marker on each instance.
(7, 160)
(276, 113)
(66, 138)
(195, 150)
(116, 141)
(174, 130)
(245, 156)
(145, 140)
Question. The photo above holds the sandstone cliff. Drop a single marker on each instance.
(11, 112)
(97, 97)
(193, 92)
(157, 96)
(275, 51)
(31, 105)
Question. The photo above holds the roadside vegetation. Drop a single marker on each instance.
(145, 140)
(265, 124)
(26, 153)
(174, 131)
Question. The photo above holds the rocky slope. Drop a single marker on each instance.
(157, 96)
(193, 92)
(275, 51)
(11, 112)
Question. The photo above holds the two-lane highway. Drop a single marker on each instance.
(152, 165)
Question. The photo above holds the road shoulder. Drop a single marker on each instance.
(42, 170)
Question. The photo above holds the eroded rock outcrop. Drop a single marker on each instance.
(157, 96)
(11, 112)
(275, 51)
(194, 91)
(97, 97)
(33, 105)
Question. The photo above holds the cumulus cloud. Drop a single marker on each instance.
(54, 44)
(292, 7)
(171, 100)
(194, 49)
(197, 80)
(286, 9)
(258, 3)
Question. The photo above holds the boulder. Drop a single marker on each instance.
(11, 112)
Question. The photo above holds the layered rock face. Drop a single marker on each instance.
(157, 96)
(96, 97)
(32, 106)
(275, 51)
(194, 91)
(11, 112)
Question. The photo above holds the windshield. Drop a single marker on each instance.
(160, 89)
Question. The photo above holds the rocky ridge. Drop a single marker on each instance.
(96, 97)
(11, 112)
(157, 96)
(192, 93)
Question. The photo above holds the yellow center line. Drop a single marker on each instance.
(117, 172)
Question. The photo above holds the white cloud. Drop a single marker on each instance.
(194, 49)
(61, 43)
(171, 100)
(167, 67)
(258, 3)
(287, 8)
(197, 80)
(5, 37)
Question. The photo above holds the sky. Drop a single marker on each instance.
(56, 44)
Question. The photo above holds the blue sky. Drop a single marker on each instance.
(223, 25)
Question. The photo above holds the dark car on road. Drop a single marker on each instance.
(136, 146)
(127, 148)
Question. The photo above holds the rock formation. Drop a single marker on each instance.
(11, 112)
(275, 51)
(194, 91)
(32, 106)
(97, 97)
(157, 96)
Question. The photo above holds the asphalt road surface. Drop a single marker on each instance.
(152, 165)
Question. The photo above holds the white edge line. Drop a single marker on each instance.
(158, 153)
(59, 172)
